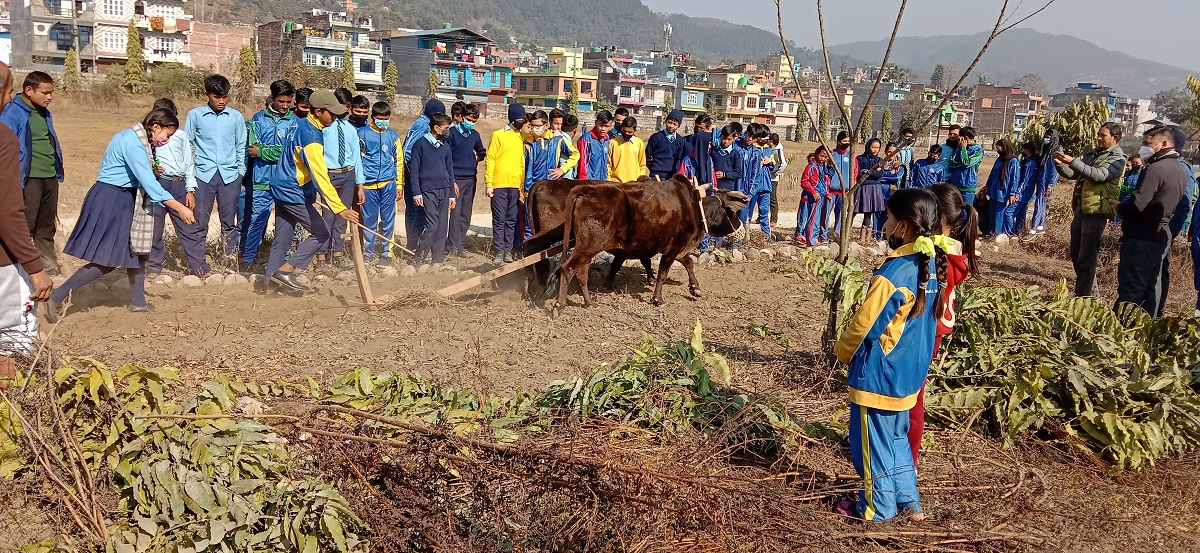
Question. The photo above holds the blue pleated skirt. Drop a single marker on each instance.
(868, 198)
(101, 235)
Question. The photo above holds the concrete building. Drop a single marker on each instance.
(560, 75)
(1091, 91)
(1133, 114)
(1003, 110)
(622, 78)
(216, 48)
(320, 40)
(468, 65)
(43, 31)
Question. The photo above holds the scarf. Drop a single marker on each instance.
(141, 232)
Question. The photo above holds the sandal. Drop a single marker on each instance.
(845, 507)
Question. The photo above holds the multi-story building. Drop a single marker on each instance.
(5, 34)
(551, 84)
(1091, 91)
(321, 40)
(1003, 110)
(468, 65)
(1132, 114)
(43, 31)
(622, 78)
(216, 48)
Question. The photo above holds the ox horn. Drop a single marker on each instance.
(704, 188)
(738, 195)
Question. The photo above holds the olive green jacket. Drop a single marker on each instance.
(1097, 177)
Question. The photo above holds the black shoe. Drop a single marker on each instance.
(141, 308)
(288, 281)
(385, 261)
(53, 311)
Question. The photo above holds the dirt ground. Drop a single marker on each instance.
(495, 339)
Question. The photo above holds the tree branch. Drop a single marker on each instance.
(829, 71)
(882, 67)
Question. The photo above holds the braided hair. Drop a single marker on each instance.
(965, 226)
(919, 208)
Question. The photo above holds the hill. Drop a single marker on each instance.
(627, 23)
(1061, 60)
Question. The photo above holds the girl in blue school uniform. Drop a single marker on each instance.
(1004, 189)
(888, 346)
(115, 227)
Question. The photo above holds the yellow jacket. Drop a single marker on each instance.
(504, 165)
(626, 159)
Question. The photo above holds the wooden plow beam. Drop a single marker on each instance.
(484, 278)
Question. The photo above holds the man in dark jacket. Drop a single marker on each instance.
(23, 280)
(1145, 222)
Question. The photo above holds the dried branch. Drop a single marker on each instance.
(882, 66)
(828, 69)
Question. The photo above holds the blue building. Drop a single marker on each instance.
(467, 64)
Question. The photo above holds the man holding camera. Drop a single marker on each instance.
(1097, 178)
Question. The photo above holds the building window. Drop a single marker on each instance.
(586, 86)
(549, 85)
(522, 84)
(139, 8)
(985, 103)
(443, 74)
(626, 91)
(366, 66)
(113, 8)
(537, 85)
(719, 100)
(85, 36)
(312, 59)
(113, 42)
(568, 86)
(692, 98)
(478, 77)
(335, 61)
(60, 34)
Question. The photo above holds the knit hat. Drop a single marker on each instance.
(1180, 138)
(324, 99)
(434, 106)
(676, 115)
(516, 111)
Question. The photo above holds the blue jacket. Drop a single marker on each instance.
(541, 156)
(270, 130)
(964, 167)
(664, 156)
(380, 149)
(1029, 171)
(927, 174)
(756, 177)
(848, 167)
(593, 156)
(16, 116)
(887, 351)
(419, 128)
(1005, 179)
(700, 156)
(729, 165)
(1183, 210)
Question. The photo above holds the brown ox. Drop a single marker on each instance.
(547, 210)
(638, 221)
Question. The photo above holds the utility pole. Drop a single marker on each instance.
(75, 35)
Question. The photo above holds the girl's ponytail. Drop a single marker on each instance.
(923, 279)
(967, 233)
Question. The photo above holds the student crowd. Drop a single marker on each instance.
(318, 161)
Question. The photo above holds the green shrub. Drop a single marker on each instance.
(177, 80)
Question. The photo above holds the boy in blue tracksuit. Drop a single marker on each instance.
(41, 161)
(269, 129)
(431, 169)
(665, 150)
(466, 149)
(382, 163)
(593, 149)
(413, 218)
(887, 347)
(962, 167)
(756, 176)
(545, 158)
(563, 139)
(845, 170)
(926, 171)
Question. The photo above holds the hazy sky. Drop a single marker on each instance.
(1113, 24)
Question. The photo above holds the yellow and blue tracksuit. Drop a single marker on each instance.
(626, 159)
(300, 174)
(888, 353)
(542, 154)
(593, 156)
(382, 163)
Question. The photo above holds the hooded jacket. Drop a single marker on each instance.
(16, 117)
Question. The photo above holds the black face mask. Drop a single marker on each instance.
(952, 142)
(358, 119)
(894, 242)
(445, 135)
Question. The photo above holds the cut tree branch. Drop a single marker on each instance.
(882, 68)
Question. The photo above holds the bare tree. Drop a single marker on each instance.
(1003, 23)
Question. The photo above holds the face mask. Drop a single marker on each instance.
(358, 119)
(445, 135)
(894, 242)
(467, 125)
(159, 143)
(1046, 141)
(1146, 152)
(382, 124)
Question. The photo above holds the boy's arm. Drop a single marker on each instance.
(360, 176)
(415, 160)
(480, 151)
(189, 126)
(489, 167)
(642, 167)
(399, 160)
(572, 154)
(883, 304)
(612, 164)
(974, 156)
(313, 156)
(189, 166)
(583, 167)
(239, 149)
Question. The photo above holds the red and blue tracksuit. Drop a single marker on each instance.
(382, 162)
(888, 348)
(593, 155)
(810, 219)
(1002, 183)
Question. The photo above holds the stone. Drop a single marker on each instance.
(994, 249)
(215, 280)
(320, 278)
(408, 270)
(767, 253)
(1002, 240)
(372, 270)
(752, 254)
(822, 251)
(121, 283)
(389, 272)
(164, 280)
(236, 280)
(303, 279)
(100, 287)
(834, 248)
(857, 250)
(705, 258)
(190, 281)
(344, 276)
(786, 250)
(424, 268)
(247, 405)
(737, 256)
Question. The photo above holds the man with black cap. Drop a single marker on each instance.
(414, 217)
(301, 177)
(504, 175)
(23, 280)
(665, 151)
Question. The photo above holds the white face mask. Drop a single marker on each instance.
(1146, 153)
